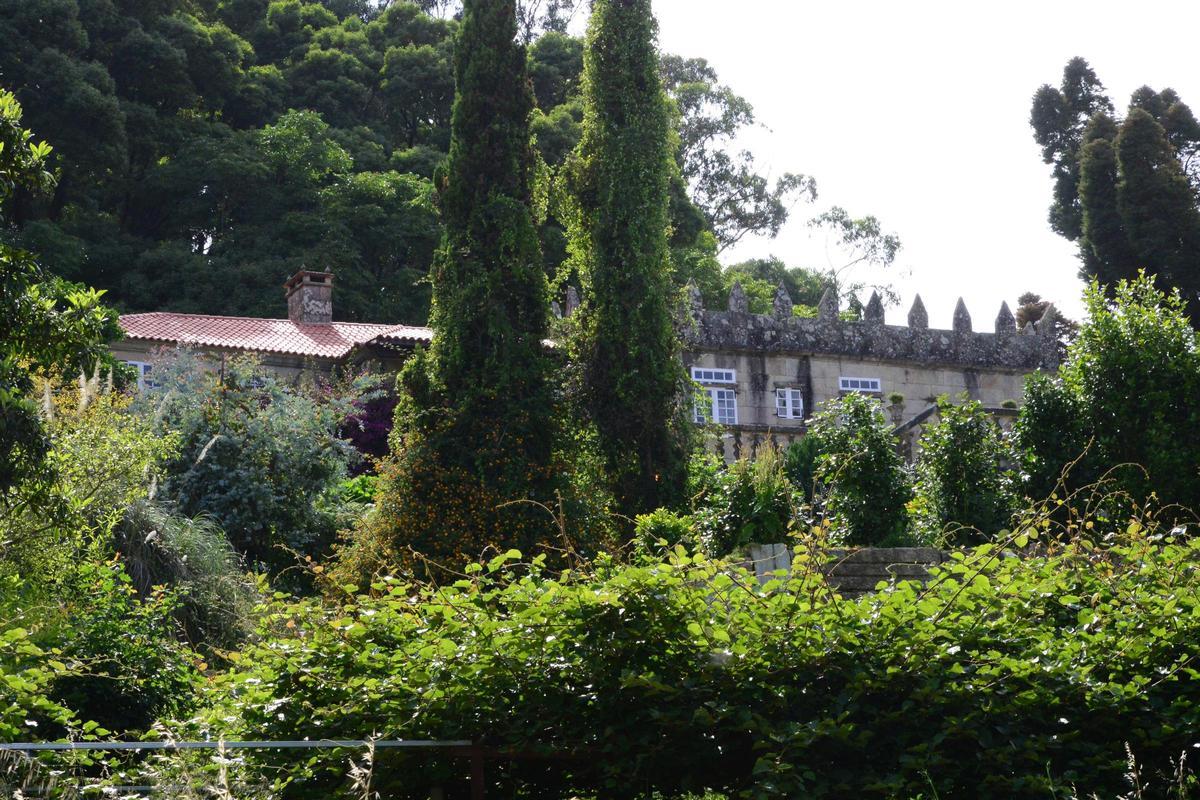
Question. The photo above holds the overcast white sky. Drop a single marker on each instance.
(917, 112)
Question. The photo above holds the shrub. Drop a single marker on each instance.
(800, 465)
(103, 459)
(663, 530)
(260, 458)
(963, 490)
(27, 675)
(370, 419)
(214, 597)
(863, 481)
(750, 501)
(1123, 405)
(1003, 678)
(130, 665)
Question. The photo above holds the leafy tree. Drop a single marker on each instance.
(1060, 118)
(1121, 405)
(759, 278)
(619, 179)
(962, 490)
(47, 325)
(860, 241)
(555, 67)
(735, 199)
(863, 482)
(1103, 243)
(474, 424)
(1031, 308)
(169, 119)
(1158, 208)
(419, 87)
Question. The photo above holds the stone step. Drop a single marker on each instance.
(889, 555)
(882, 571)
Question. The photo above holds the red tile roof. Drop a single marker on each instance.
(334, 340)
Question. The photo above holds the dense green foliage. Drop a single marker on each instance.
(188, 181)
(256, 455)
(1126, 191)
(131, 666)
(46, 323)
(472, 446)
(213, 596)
(1004, 678)
(752, 501)
(963, 491)
(1059, 119)
(863, 484)
(114, 652)
(626, 342)
(210, 149)
(1123, 405)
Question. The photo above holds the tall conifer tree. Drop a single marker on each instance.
(621, 174)
(1103, 243)
(1159, 208)
(474, 426)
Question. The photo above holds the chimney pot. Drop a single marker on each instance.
(310, 297)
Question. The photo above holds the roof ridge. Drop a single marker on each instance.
(266, 319)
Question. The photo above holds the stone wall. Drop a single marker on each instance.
(852, 572)
(913, 363)
(871, 339)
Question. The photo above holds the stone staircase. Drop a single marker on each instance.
(854, 572)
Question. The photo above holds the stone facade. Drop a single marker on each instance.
(761, 376)
(776, 369)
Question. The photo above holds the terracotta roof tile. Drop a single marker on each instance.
(334, 340)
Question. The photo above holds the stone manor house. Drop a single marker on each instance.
(759, 376)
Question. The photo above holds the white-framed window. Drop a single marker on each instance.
(143, 373)
(716, 405)
(871, 385)
(708, 375)
(789, 403)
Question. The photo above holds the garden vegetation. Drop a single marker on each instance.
(225, 555)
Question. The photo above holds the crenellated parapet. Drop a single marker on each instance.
(1007, 348)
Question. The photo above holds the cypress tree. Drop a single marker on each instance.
(474, 425)
(620, 176)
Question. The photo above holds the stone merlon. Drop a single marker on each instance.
(736, 330)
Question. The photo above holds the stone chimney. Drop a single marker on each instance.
(310, 297)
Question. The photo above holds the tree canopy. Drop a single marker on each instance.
(47, 325)
(1127, 191)
(206, 151)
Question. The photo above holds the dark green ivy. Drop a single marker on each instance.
(475, 421)
(620, 178)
